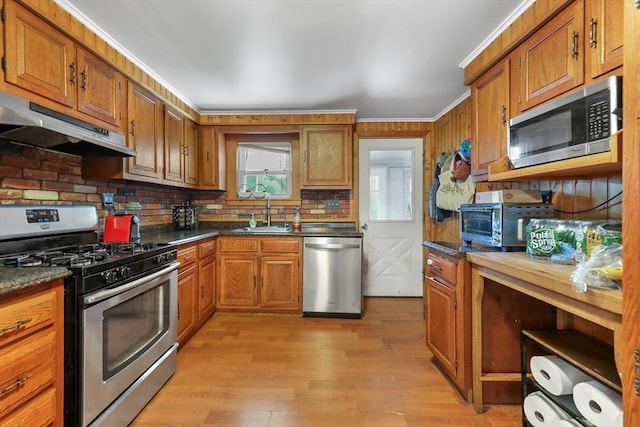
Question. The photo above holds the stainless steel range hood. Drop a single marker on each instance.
(31, 123)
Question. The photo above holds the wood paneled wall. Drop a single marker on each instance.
(449, 131)
(572, 198)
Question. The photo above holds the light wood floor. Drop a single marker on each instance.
(281, 371)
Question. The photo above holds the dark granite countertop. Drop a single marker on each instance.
(457, 249)
(211, 229)
(14, 279)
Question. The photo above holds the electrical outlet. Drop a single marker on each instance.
(333, 204)
(107, 201)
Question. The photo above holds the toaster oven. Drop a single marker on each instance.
(499, 224)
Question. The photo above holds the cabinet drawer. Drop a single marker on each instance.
(441, 267)
(238, 245)
(27, 368)
(280, 245)
(40, 411)
(187, 255)
(19, 318)
(206, 248)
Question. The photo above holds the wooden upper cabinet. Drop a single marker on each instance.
(173, 145)
(490, 113)
(45, 62)
(326, 153)
(190, 152)
(39, 58)
(100, 88)
(145, 126)
(551, 61)
(180, 148)
(211, 166)
(605, 36)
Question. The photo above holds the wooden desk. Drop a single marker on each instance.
(544, 281)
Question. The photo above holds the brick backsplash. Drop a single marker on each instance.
(31, 175)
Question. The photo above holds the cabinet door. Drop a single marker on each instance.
(99, 88)
(238, 281)
(441, 324)
(145, 132)
(208, 170)
(490, 101)
(187, 288)
(206, 298)
(173, 146)
(39, 58)
(551, 61)
(605, 36)
(280, 281)
(326, 157)
(190, 152)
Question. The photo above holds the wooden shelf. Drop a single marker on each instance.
(587, 353)
(585, 166)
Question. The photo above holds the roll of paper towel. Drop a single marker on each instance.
(555, 375)
(564, 423)
(599, 404)
(541, 411)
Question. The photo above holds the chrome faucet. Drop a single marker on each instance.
(268, 210)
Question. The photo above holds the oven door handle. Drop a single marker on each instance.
(108, 293)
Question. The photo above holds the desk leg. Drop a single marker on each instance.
(477, 291)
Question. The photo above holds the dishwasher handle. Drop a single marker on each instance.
(331, 246)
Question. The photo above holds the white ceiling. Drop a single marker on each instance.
(386, 59)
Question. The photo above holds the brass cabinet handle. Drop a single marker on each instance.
(14, 385)
(133, 128)
(574, 45)
(72, 78)
(15, 325)
(503, 115)
(593, 38)
(83, 84)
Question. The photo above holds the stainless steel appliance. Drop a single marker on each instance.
(574, 125)
(497, 224)
(332, 277)
(120, 306)
(31, 123)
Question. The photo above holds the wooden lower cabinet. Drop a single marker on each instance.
(447, 294)
(31, 356)
(259, 274)
(196, 287)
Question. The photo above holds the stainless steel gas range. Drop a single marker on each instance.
(120, 309)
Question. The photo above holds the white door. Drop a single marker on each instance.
(391, 215)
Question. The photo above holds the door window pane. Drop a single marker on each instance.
(390, 185)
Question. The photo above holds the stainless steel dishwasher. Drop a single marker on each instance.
(332, 277)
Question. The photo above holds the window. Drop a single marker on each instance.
(257, 164)
(264, 168)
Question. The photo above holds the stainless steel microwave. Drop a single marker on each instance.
(578, 124)
(499, 224)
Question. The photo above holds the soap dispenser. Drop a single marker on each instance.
(296, 220)
(252, 221)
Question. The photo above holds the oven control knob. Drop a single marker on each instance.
(108, 276)
(159, 259)
(124, 271)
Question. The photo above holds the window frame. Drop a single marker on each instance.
(232, 141)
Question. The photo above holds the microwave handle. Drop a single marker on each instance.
(522, 226)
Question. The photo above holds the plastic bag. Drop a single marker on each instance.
(603, 269)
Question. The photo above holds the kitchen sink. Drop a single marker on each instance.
(272, 229)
